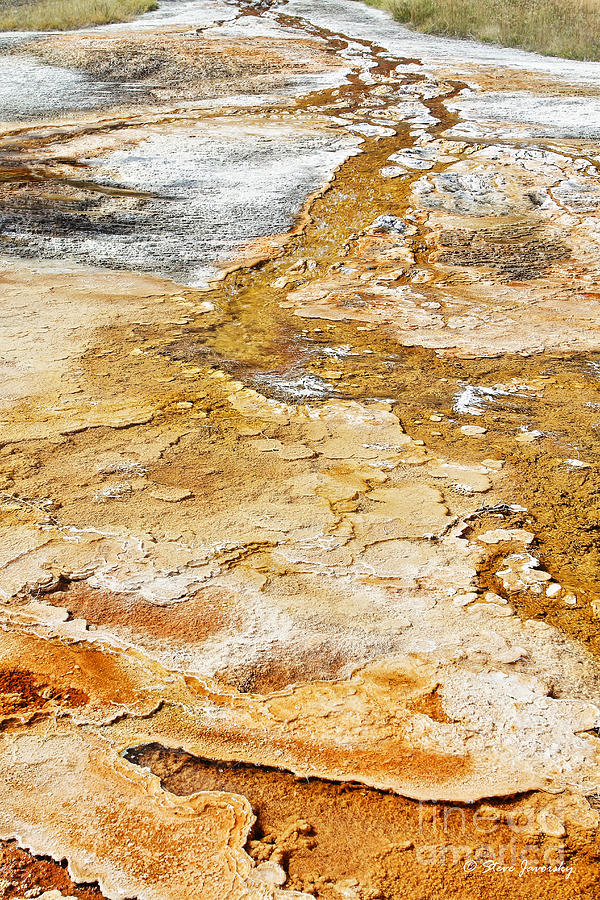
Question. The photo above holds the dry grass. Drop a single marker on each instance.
(569, 28)
(61, 15)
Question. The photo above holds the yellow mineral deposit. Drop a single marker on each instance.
(299, 570)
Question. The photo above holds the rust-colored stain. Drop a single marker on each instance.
(430, 705)
(22, 694)
(201, 616)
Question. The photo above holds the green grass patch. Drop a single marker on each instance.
(568, 28)
(62, 15)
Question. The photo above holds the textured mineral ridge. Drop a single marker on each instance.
(300, 475)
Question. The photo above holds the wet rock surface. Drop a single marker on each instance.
(299, 464)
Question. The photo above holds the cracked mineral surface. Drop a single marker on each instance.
(299, 463)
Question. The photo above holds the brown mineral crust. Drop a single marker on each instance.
(21, 694)
(359, 734)
(90, 804)
(338, 429)
(392, 757)
(309, 732)
(516, 252)
(178, 65)
(430, 705)
(323, 661)
(58, 678)
(396, 762)
(328, 836)
(414, 512)
(25, 875)
(203, 614)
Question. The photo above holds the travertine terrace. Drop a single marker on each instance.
(299, 460)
